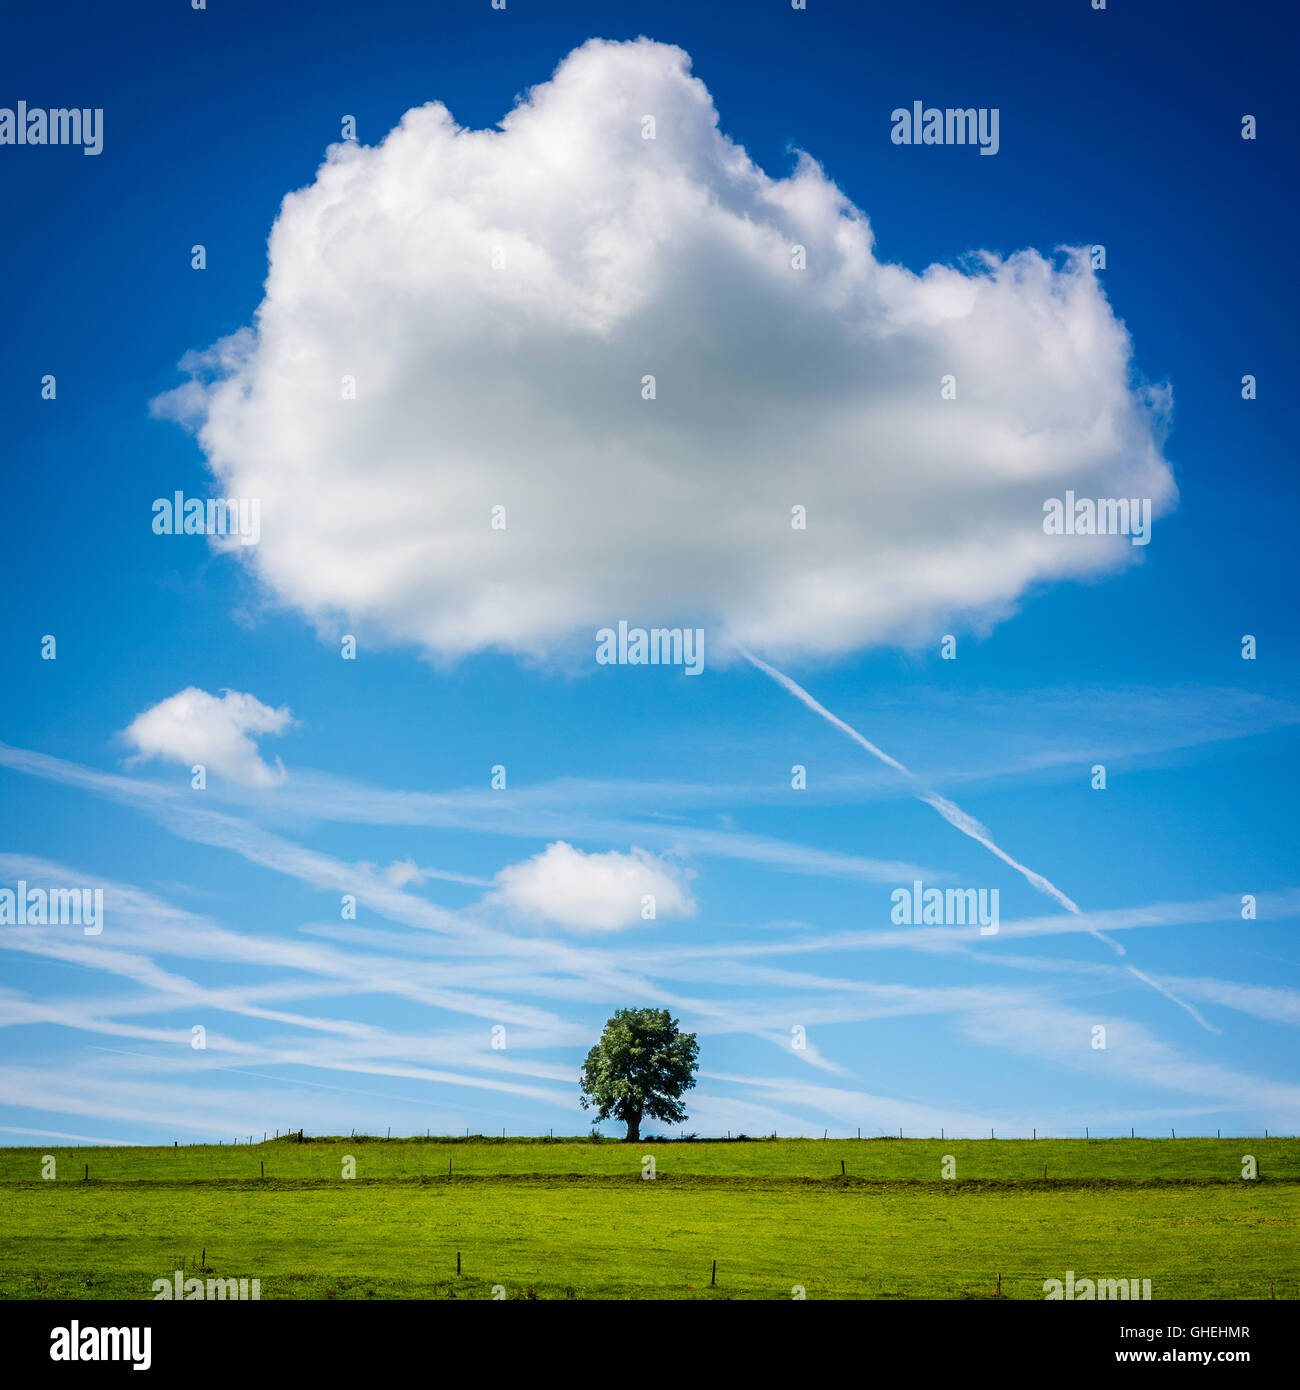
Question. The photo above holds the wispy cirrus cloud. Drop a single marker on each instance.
(1063, 1038)
(324, 798)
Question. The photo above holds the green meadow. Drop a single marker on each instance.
(576, 1219)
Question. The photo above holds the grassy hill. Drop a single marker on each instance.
(575, 1219)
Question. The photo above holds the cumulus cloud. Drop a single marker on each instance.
(591, 892)
(218, 731)
(498, 297)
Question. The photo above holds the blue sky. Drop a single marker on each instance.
(223, 906)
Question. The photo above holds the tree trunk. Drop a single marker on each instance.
(633, 1129)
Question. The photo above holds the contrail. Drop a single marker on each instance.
(1182, 1003)
(801, 694)
(968, 825)
(951, 812)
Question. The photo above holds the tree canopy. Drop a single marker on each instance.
(641, 1066)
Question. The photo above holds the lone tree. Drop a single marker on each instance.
(641, 1066)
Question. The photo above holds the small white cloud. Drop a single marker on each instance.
(402, 872)
(218, 731)
(592, 892)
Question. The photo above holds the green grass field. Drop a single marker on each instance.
(575, 1218)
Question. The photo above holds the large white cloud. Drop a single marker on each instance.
(520, 384)
(218, 731)
(592, 892)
